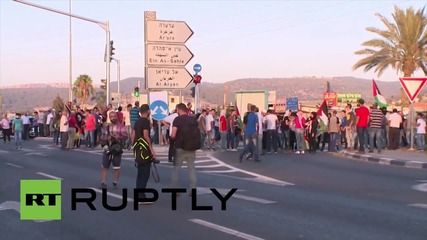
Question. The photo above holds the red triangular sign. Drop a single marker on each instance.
(412, 86)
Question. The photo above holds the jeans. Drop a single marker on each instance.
(251, 146)
(286, 138)
(190, 158)
(56, 137)
(421, 137)
(18, 137)
(26, 132)
(90, 138)
(223, 140)
(376, 133)
(272, 140)
(36, 130)
(64, 140)
(361, 132)
(299, 134)
(143, 174)
(230, 140)
(332, 146)
(202, 139)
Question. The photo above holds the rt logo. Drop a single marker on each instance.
(40, 200)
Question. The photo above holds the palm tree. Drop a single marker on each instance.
(83, 88)
(402, 46)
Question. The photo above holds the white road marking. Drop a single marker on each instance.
(419, 205)
(49, 176)
(253, 199)
(13, 165)
(225, 229)
(205, 190)
(35, 153)
(4, 151)
(420, 187)
(112, 194)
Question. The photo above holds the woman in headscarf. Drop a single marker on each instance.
(312, 132)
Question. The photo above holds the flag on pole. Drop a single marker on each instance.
(322, 113)
(380, 99)
(239, 118)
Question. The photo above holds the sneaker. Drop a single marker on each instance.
(302, 152)
(297, 152)
(103, 185)
(114, 185)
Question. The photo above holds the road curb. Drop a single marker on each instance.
(383, 160)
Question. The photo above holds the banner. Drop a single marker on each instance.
(330, 98)
(349, 97)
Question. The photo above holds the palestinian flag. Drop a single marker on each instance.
(239, 118)
(322, 113)
(380, 99)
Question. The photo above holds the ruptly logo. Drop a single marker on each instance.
(40, 200)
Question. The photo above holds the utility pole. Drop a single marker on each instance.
(118, 81)
(103, 25)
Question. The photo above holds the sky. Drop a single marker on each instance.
(231, 40)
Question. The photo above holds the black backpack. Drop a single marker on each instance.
(189, 135)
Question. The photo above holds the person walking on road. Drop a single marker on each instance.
(17, 129)
(186, 144)
(113, 135)
(5, 126)
(142, 129)
(250, 132)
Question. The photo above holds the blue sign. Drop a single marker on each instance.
(159, 110)
(292, 104)
(197, 68)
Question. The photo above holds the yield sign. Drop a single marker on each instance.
(412, 86)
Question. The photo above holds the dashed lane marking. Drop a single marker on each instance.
(49, 176)
(225, 229)
(14, 165)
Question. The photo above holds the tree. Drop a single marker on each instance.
(100, 99)
(402, 46)
(58, 103)
(83, 88)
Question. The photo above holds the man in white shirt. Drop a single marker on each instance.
(26, 123)
(49, 120)
(41, 122)
(421, 132)
(271, 122)
(209, 128)
(63, 129)
(394, 122)
(168, 121)
(260, 129)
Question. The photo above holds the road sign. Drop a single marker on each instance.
(197, 68)
(292, 104)
(168, 55)
(412, 86)
(168, 31)
(168, 78)
(159, 110)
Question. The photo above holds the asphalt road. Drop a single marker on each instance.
(286, 196)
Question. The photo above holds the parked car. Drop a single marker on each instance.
(31, 134)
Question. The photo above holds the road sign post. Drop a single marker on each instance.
(412, 87)
(166, 54)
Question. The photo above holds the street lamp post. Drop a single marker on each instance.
(118, 81)
(103, 25)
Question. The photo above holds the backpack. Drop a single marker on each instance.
(189, 135)
(141, 151)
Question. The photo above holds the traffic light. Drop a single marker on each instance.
(111, 50)
(197, 79)
(104, 86)
(193, 92)
(136, 91)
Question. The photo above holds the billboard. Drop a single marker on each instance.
(349, 97)
(330, 98)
